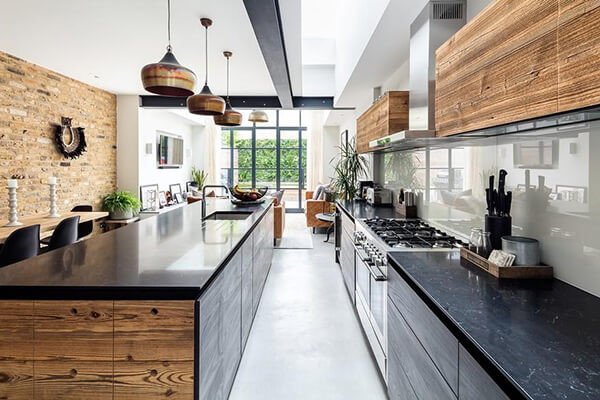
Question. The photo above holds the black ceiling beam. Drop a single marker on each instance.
(266, 22)
(313, 103)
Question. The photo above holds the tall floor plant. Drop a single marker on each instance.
(349, 166)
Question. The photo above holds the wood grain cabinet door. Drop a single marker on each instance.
(73, 349)
(247, 314)
(210, 348)
(154, 350)
(232, 320)
(578, 54)
(16, 350)
(474, 382)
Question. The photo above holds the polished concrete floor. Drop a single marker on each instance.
(306, 342)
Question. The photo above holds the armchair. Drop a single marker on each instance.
(314, 207)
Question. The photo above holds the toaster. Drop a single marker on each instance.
(379, 196)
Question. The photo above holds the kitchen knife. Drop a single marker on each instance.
(494, 202)
(501, 193)
(508, 202)
(488, 200)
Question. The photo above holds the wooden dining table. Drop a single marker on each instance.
(48, 224)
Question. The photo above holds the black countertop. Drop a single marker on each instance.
(541, 336)
(360, 209)
(174, 255)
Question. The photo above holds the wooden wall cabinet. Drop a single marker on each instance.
(387, 116)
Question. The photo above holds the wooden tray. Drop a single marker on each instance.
(516, 272)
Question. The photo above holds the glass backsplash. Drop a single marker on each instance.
(554, 175)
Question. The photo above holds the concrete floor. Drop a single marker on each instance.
(306, 342)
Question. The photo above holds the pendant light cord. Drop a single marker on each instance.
(227, 79)
(206, 55)
(169, 24)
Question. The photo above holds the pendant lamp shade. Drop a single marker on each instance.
(206, 103)
(258, 116)
(230, 117)
(167, 77)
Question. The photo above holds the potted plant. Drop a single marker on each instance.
(349, 166)
(199, 177)
(121, 205)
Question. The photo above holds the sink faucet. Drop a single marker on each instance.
(204, 196)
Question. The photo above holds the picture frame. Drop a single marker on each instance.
(162, 198)
(344, 139)
(174, 189)
(189, 185)
(179, 198)
(149, 197)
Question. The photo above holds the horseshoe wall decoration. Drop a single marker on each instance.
(76, 146)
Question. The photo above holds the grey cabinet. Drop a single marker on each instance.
(411, 366)
(263, 253)
(439, 343)
(474, 383)
(247, 308)
(220, 332)
(347, 255)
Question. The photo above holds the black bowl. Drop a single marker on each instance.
(261, 194)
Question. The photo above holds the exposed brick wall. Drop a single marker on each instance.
(33, 98)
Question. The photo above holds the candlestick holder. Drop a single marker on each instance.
(13, 219)
(53, 208)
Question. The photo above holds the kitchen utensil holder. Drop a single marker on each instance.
(498, 226)
(406, 211)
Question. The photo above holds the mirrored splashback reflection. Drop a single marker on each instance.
(553, 173)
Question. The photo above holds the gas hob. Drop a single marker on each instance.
(410, 234)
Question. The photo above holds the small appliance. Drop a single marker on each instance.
(379, 196)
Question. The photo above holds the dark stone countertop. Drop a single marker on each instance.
(541, 336)
(174, 255)
(360, 209)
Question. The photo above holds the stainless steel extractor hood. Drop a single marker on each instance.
(439, 20)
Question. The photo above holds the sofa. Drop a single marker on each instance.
(314, 207)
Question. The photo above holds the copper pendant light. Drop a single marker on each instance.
(206, 103)
(167, 77)
(230, 117)
(258, 116)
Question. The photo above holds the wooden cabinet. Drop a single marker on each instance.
(247, 306)
(499, 68)
(347, 254)
(153, 349)
(438, 341)
(220, 332)
(578, 54)
(474, 382)
(412, 363)
(387, 116)
(16, 350)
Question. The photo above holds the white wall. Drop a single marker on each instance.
(127, 142)
(474, 7)
(331, 139)
(150, 123)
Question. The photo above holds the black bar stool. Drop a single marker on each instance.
(20, 244)
(84, 228)
(64, 234)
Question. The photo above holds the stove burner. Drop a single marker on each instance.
(398, 233)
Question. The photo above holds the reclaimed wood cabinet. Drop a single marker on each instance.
(387, 116)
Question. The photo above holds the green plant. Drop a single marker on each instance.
(349, 166)
(121, 200)
(199, 176)
(400, 169)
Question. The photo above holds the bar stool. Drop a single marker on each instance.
(64, 234)
(84, 228)
(20, 244)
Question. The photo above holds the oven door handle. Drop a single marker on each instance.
(373, 269)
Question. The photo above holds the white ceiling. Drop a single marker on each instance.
(113, 39)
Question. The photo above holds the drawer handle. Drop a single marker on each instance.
(74, 311)
(154, 311)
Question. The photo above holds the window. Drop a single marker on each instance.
(271, 155)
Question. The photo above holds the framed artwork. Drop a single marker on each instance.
(189, 185)
(179, 198)
(576, 194)
(344, 139)
(149, 197)
(162, 198)
(174, 189)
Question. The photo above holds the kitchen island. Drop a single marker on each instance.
(158, 309)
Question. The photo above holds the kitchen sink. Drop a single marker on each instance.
(228, 215)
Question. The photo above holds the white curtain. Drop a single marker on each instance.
(212, 152)
(314, 129)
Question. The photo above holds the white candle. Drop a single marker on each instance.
(52, 180)
(12, 183)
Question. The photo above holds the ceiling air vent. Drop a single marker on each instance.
(447, 11)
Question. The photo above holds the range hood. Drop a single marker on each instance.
(436, 23)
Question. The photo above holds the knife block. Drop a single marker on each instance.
(498, 227)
